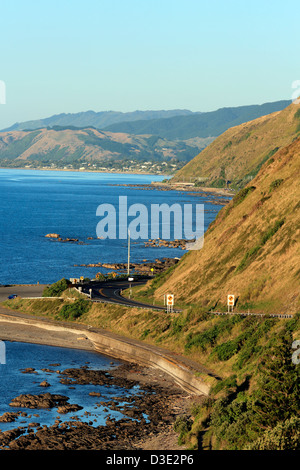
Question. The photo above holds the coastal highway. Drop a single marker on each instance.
(110, 291)
(26, 290)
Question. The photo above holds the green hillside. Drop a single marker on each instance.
(238, 154)
(251, 250)
(98, 120)
(202, 125)
(68, 145)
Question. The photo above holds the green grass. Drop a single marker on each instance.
(16, 148)
(242, 194)
(75, 309)
(251, 254)
(229, 419)
(56, 289)
(231, 346)
(275, 184)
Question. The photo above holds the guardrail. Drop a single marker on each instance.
(276, 315)
(42, 298)
(154, 307)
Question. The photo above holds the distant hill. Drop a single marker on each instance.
(210, 124)
(251, 250)
(73, 146)
(238, 154)
(93, 119)
(74, 139)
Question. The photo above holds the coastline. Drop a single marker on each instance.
(167, 187)
(77, 170)
(160, 435)
(26, 328)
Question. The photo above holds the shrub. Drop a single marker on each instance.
(183, 425)
(269, 234)
(250, 255)
(56, 289)
(242, 194)
(228, 145)
(226, 350)
(247, 257)
(75, 310)
(275, 184)
(284, 436)
(209, 337)
(178, 324)
(277, 397)
(145, 333)
(226, 384)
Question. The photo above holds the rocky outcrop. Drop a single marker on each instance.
(167, 243)
(154, 401)
(9, 417)
(52, 235)
(44, 400)
(152, 267)
(44, 383)
(69, 408)
(57, 237)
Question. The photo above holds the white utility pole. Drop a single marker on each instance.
(128, 267)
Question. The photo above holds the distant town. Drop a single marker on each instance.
(126, 166)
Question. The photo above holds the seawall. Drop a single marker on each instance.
(22, 328)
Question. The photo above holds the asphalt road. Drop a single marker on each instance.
(34, 290)
(110, 291)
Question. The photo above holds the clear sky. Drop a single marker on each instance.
(123, 55)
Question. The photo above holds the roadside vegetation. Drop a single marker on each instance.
(253, 401)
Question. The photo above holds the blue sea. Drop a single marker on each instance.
(35, 203)
(13, 382)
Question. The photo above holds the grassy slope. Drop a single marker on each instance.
(263, 222)
(242, 255)
(207, 124)
(238, 153)
(70, 145)
(230, 346)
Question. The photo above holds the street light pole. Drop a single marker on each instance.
(128, 267)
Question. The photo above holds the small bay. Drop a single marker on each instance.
(35, 203)
(46, 364)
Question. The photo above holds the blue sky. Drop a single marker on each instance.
(123, 55)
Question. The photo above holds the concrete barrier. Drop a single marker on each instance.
(117, 347)
(140, 353)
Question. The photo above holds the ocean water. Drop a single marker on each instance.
(14, 382)
(35, 203)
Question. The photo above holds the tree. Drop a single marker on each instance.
(56, 289)
(277, 397)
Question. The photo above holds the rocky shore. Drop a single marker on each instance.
(148, 421)
(182, 187)
(147, 268)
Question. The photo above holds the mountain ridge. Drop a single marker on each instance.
(173, 125)
(67, 146)
(203, 125)
(238, 154)
(251, 249)
(92, 118)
